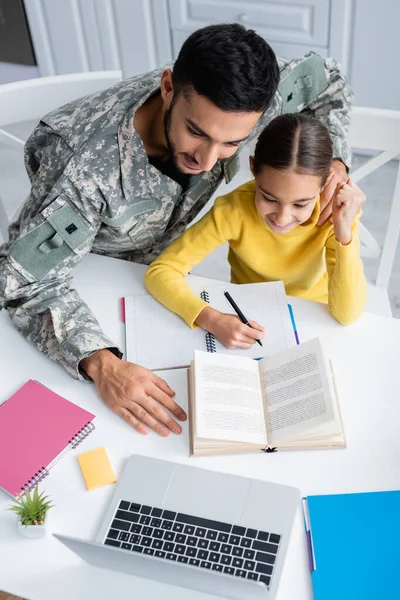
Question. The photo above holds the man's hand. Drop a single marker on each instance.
(229, 329)
(347, 202)
(134, 393)
(337, 175)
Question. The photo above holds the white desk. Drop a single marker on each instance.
(366, 365)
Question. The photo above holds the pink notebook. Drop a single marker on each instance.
(37, 427)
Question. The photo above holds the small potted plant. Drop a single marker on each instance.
(31, 510)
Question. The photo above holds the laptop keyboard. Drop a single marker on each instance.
(203, 543)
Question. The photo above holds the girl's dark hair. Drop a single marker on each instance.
(232, 66)
(298, 141)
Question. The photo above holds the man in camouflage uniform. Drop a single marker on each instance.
(99, 185)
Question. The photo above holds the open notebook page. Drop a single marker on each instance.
(156, 338)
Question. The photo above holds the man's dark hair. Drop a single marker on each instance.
(296, 141)
(232, 66)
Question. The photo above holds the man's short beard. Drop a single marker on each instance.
(167, 130)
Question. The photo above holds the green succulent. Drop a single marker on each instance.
(32, 508)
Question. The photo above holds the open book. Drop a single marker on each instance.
(284, 401)
(156, 338)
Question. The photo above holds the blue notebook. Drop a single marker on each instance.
(354, 543)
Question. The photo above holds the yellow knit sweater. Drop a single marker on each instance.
(308, 259)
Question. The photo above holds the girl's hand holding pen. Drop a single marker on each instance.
(228, 329)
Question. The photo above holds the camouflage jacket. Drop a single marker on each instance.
(93, 190)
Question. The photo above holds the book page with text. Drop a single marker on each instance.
(298, 394)
(228, 399)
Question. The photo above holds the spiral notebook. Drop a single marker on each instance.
(156, 338)
(37, 427)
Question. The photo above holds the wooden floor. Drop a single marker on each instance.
(5, 596)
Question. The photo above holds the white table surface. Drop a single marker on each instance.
(365, 358)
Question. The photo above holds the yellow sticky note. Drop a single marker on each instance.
(96, 468)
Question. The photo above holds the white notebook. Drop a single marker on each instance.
(157, 339)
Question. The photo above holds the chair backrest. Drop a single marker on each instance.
(378, 130)
(30, 100)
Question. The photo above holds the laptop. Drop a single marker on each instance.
(199, 529)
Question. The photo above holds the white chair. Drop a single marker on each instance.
(30, 100)
(378, 130)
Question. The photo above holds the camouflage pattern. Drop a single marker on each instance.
(93, 190)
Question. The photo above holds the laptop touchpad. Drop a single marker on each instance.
(207, 494)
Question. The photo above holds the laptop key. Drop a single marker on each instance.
(191, 552)
(252, 576)
(170, 556)
(265, 579)
(249, 565)
(249, 554)
(236, 530)
(168, 546)
(189, 529)
(271, 548)
(157, 544)
(145, 541)
(200, 532)
(191, 541)
(234, 540)
(147, 531)
(183, 559)
(169, 536)
(237, 551)
(202, 543)
(240, 573)
(137, 548)
(229, 570)
(205, 564)
(124, 536)
(214, 546)
(225, 559)
(223, 537)
(203, 554)
(124, 525)
(126, 515)
(265, 558)
(217, 567)
(155, 522)
(166, 525)
(145, 510)
(204, 523)
(226, 549)
(180, 549)
(214, 557)
(180, 538)
(111, 542)
(156, 512)
(211, 535)
(263, 536)
(148, 551)
(134, 539)
(133, 507)
(178, 527)
(126, 546)
(237, 562)
(124, 505)
(251, 533)
(246, 542)
(194, 561)
(136, 528)
(158, 533)
(264, 569)
(168, 514)
(145, 520)
(274, 538)
(113, 533)
(159, 553)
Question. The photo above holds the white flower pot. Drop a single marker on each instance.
(31, 531)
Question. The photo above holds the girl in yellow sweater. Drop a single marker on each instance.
(271, 226)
